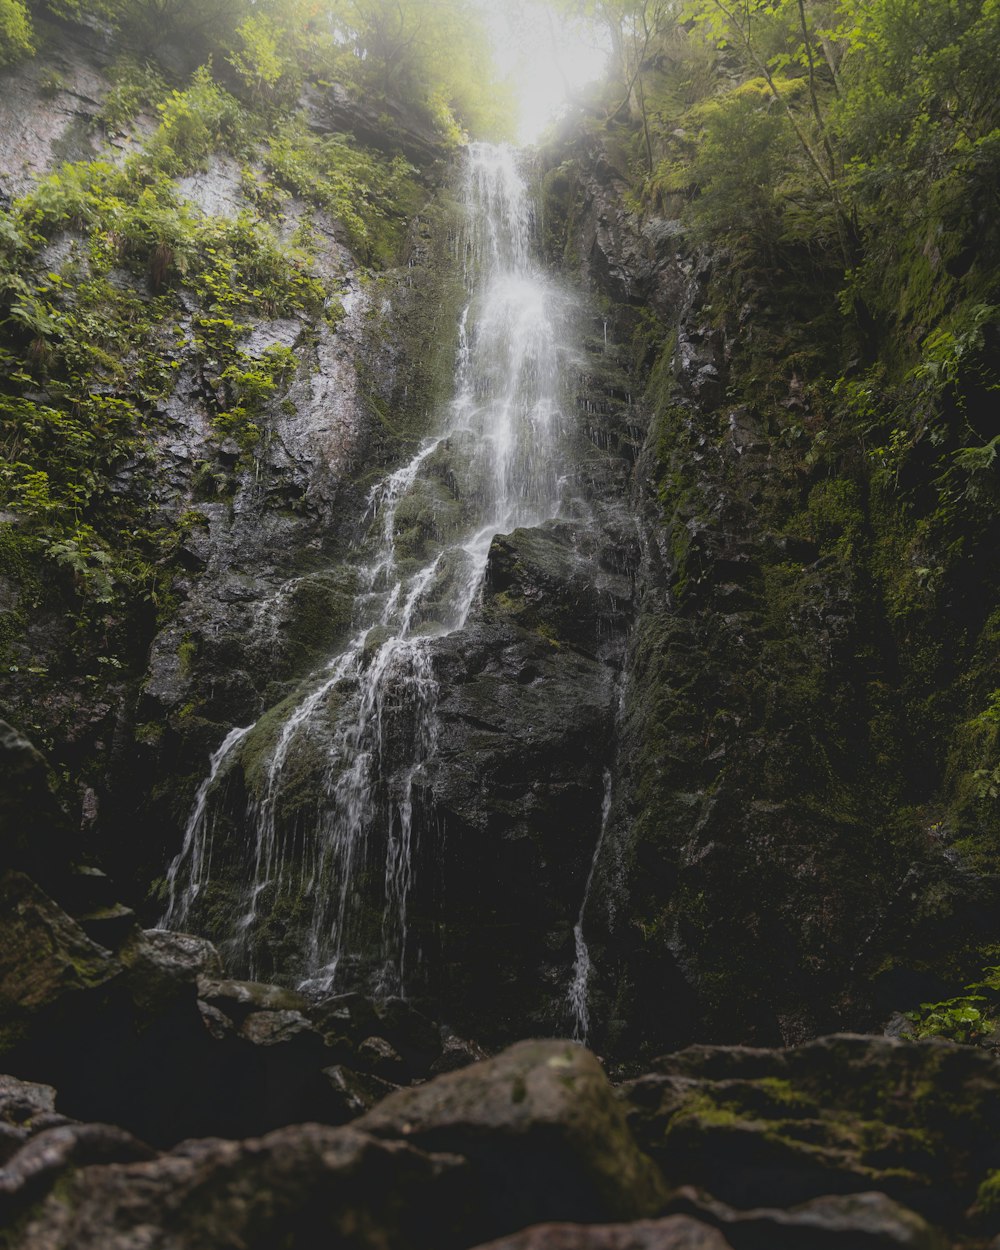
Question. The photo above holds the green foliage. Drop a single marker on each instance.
(743, 157)
(969, 1018)
(372, 198)
(16, 34)
(104, 351)
(135, 85)
(252, 383)
(432, 57)
(988, 1194)
(267, 70)
(194, 124)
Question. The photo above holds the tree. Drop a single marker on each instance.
(15, 32)
(432, 55)
(632, 28)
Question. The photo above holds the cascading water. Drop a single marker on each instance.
(371, 712)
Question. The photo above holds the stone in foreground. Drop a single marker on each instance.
(298, 1188)
(677, 1232)
(542, 1130)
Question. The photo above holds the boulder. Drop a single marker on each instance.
(456, 1053)
(415, 1038)
(279, 1028)
(380, 1057)
(866, 1221)
(25, 1109)
(543, 1133)
(47, 1156)
(298, 1188)
(676, 1232)
(183, 953)
(357, 1091)
(33, 827)
(349, 1015)
(839, 1115)
(163, 969)
(239, 998)
(108, 926)
(49, 969)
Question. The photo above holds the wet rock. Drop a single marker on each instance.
(676, 1232)
(456, 1053)
(87, 888)
(22, 1102)
(26, 1108)
(39, 130)
(524, 727)
(33, 827)
(36, 1167)
(351, 1015)
(299, 1187)
(47, 964)
(416, 1039)
(108, 926)
(379, 1055)
(840, 1115)
(164, 967)
(543, 1133)
(184, 953)
(863, 1221)
(239, 998)
(278, 1028)
(217, 191)
(335, 109)
(218, 1024)
(359, 1091)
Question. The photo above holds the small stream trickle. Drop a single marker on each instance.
(579, 988)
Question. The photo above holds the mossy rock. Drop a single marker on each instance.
(840, 1115)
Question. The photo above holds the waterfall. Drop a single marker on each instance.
(369, 715)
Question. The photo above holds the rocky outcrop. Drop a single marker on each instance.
(775, 848)
(259, 595)
(146, 1031)
(841, 1115)
(802, 1149)
(534, 1133)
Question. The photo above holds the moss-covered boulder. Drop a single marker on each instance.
(50, 970)
(844, 1114)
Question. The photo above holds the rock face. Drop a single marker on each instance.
(527, 717)
(776, 863)
(34, 830)
(864, 1221)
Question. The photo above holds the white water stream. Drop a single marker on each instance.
(579, 987)
(371, 711)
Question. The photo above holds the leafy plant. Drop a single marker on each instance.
(968, 1018)
(16, 34)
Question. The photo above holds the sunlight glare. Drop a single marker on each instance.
(547, 58)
